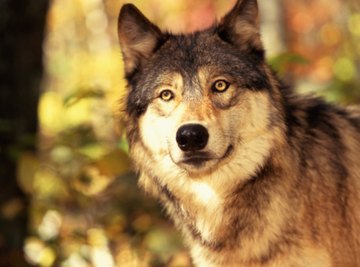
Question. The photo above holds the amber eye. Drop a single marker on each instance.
(166, 95)
(220, 86)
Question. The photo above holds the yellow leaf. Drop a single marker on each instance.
(115, 163)
(50, 112)
(48, 184)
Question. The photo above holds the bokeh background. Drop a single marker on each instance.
(68, 196)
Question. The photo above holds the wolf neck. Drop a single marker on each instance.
(216, 220)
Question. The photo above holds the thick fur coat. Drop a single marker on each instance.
(251, 173)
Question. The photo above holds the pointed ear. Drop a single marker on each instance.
(138, 37)
(241, 26)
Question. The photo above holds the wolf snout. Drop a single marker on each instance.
(192, 137)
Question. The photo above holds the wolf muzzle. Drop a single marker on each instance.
(192, 137)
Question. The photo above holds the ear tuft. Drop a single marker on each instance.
(241, 26)
(138, 37)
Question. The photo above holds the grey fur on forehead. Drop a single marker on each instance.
(186, 54)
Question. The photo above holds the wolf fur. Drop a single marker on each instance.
(278, 180)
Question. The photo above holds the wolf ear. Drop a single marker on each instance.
(241, 26)
(138, 37)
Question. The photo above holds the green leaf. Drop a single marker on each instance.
(280, 62)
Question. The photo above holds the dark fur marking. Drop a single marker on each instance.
(252, 197)
(161, 41)
(292, 122)
(260, 183)
(258, 54)
(281, 246)
(355, 122)
(224, 35)
(164, 190)
(212, 245)
(130, 76)
(132, 132)
(320, 119)
(136, 109)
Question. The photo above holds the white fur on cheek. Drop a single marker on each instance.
(155, 132)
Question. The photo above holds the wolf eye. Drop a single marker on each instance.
(220, 86)
(166, 95)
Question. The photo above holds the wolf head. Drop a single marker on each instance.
(197, 102)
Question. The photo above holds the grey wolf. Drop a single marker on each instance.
(250, 172)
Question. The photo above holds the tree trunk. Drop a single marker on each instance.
(272, 26)
(22, 31)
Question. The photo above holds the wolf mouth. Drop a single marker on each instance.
(200, 158)
(197, 159)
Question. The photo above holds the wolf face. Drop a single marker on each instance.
(197, 97)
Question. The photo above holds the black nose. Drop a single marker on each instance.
(192, 137)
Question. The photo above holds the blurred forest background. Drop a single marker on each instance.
(67, 195)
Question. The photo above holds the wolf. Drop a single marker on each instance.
(251, 173)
